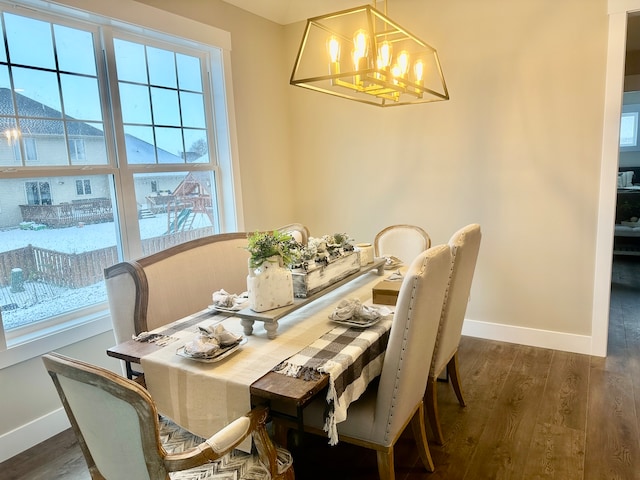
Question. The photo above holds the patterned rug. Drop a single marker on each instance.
(236, 465)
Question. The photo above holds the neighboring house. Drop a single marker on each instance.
(41, 141)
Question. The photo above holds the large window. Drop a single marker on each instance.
(108, 141)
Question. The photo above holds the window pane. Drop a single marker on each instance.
(192, 110)
(175, 207)
(169, 141)
(75, 50)
(38, 93)
(197, 148)
(140, 144)
(189, 74)
(130, 61)
(162, 70)
(166, 110)
(48, 265)
(135, 104)
(23, 34)
(81, 98)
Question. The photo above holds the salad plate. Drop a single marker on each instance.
(236, 308)
(351, 322)
(219, 355)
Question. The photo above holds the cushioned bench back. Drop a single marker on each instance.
(160, 288)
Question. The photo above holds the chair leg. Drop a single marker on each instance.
(420, 436)
(431, 404)
(385, 464)
(454, 374)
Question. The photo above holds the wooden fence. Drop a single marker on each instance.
(76, 270)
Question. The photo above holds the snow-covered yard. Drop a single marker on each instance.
(40, 300)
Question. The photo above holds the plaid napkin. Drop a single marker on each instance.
(352, 357)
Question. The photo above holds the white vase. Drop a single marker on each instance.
(269, 286)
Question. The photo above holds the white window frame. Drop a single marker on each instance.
(140, 19)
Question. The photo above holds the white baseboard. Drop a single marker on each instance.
(532, 337)
(29, 435)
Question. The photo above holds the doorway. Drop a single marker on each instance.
(616, 52)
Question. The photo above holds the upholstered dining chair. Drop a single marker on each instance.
(405, 242)
(377, 419)
(464, 244)
(298, 231)
(121, 437)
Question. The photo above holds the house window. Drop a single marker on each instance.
(145, 114)
(76, 150)
(38, 193)
(83, 187)
(629, 129)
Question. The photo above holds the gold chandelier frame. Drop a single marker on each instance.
(369, 76)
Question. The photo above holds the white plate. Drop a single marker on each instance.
(220, 354)
(352, 323)
(235, 308)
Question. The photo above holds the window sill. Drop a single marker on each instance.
(27, 347)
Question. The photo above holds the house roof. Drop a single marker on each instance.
(36, 118)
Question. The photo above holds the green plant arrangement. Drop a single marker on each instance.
(265, 245)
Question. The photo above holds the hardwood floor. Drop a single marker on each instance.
(531, 413)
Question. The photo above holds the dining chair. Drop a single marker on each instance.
(121, 437)
(464, 245)
(405, 242)
(378, 418)
(298, 231)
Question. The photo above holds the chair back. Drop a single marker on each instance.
(298, 231)
(411, 340)
(158, 289)
(405, 242)
(464, 245)
(115, 420)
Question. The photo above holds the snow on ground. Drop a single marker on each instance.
(75, 239)
(40, 301)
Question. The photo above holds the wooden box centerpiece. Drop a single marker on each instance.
(321, 276)
(332, 259)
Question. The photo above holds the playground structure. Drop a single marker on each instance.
(190, 199)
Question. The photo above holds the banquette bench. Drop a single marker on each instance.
(155, 290)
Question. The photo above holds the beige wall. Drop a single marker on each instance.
(516, 149)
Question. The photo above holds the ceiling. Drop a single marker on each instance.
(285, 12)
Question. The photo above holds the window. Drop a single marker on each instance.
(76, 150)
(629, 129)
(83, 187)
(38, 193)
(134, 108)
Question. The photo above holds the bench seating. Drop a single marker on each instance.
(158, 289)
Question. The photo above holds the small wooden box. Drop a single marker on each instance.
(306, 284)
(386, 292)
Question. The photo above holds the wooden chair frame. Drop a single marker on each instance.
(158, 461)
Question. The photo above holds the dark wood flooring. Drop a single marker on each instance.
(531, 413)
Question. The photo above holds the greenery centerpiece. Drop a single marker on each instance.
(271, 247)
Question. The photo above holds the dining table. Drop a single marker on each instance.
(204, 396)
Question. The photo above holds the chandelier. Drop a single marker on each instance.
(361, 54)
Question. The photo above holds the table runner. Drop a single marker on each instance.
(352, 357)
(205, 397)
